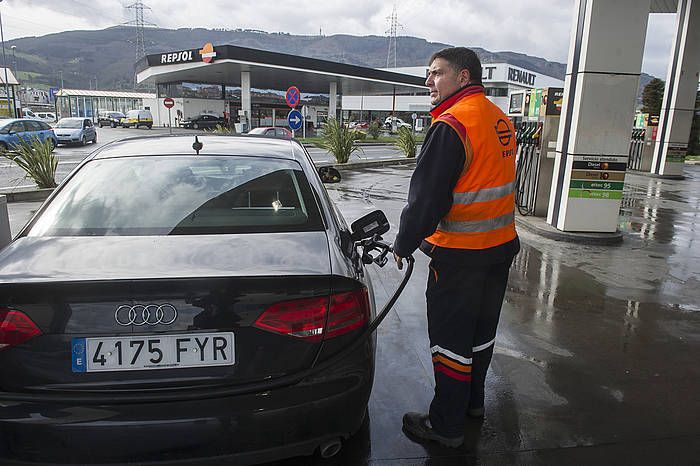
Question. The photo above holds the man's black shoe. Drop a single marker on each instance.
(418, 426)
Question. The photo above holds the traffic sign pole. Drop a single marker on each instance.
(169, 103)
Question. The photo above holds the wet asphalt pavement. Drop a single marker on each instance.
(596, 355)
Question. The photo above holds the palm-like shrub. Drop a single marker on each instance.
(406, 142)
(221, 129)
(37, 159)
(374, 129)
(338, 140)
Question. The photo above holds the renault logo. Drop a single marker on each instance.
(149, 314)
(503, 131)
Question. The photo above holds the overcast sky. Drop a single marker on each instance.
(535, 27)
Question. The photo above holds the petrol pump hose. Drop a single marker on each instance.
(158, 395)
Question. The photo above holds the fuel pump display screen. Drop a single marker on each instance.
(516, 104)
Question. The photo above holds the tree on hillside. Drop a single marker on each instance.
(652, 95)
(694, 142)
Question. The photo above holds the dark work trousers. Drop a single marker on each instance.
(464, 304)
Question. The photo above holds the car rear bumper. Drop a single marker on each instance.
(247, 429)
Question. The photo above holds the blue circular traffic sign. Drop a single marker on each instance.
(295, 120)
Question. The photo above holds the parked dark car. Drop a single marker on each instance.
(277, 132)
(15, 130)
(203, 122)
(112, 119)
(164, 305)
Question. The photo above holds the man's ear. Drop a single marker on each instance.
(464, 77)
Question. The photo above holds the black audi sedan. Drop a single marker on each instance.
(169, 303)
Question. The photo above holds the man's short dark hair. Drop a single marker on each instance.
(461, 58)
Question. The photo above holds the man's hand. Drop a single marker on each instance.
(399, 261)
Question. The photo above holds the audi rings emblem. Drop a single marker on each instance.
(150, 314)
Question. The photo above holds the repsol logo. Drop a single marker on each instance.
(520, 76)
(177, 57)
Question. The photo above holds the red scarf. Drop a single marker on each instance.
(469, 89)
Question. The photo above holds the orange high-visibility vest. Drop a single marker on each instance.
(483, 207)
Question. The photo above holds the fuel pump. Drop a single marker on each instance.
(537, 139)
(527, 160)
(642, 142)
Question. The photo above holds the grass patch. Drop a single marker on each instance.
(695, 158)
(27, 75)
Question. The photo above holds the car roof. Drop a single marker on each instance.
(6, 121)
(212, 145)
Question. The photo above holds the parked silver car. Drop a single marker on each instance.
(75, 131)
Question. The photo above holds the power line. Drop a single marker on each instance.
(140, 24)
(392, 31)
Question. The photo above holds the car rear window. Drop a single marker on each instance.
(182, 195)
(33, 126)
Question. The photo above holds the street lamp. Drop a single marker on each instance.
(4, 64)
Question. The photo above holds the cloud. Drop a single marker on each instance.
(537, 27)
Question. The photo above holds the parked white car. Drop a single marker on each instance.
(398, 122)
(48, 117)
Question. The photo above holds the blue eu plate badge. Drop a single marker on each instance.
(78, 355)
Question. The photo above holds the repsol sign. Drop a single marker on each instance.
(520, 76)
(183, 56)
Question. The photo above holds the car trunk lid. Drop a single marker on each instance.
(87, 291)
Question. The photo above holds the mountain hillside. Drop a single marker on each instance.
(107, 56)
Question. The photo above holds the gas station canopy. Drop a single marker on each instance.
(223, 64)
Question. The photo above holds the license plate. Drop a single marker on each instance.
(148, 352)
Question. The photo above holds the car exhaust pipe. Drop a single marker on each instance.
(330, 448)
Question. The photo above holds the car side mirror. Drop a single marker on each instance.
(329, 175)
(374, 223)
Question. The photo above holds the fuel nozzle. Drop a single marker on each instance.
(375, 243)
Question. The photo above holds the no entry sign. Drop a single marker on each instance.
(168, 102)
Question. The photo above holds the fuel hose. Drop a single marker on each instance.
(193, 393)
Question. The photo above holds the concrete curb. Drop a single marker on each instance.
(359, 144)
(27, 195)
(539, 226)
(659, 177)
(369, 164)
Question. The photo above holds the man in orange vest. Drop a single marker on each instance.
(461, 213)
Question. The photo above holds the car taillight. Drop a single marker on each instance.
(302, 318)
(305, 318)
(348, 312)
(16, 328)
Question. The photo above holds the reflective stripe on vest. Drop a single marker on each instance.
(483, 207)
(486, 194)
(477, 226)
